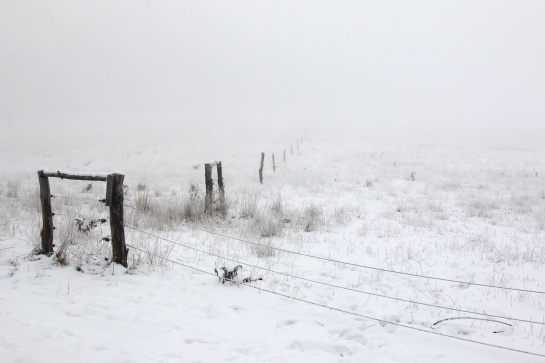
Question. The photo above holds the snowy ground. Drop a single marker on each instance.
(473, 213)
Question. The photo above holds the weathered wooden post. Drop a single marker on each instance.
(261, 168)
(220, 182)
(114, 199)
(47, 214)
(117, 229)
(274, 165)
(209, 185)
(284, 156)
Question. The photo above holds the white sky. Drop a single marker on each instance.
(399, 64)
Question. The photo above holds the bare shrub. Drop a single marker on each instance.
(193, 209)
(221, 207)
(141, 187)
(172, 209)
(267, 226)
(340, 216)
(277, 206)
(248, 207)
(312, 218)
(61, 256)
(65, 235)
(13, 188)
(143, 201)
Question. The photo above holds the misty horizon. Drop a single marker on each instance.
(424, 66)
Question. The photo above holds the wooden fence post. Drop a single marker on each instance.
(209, 185)
(284, 156)
(119, 249)
(220, 182)
(47, 214)
(274, 165)
(261, 168)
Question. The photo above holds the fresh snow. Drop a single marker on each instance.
(473, 213)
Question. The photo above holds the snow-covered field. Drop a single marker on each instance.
(464, 211)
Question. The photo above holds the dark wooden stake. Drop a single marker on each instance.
(220, 182)
(117, 228)
(209, 185)
(261, 168)
(274, 165)
(47, 214)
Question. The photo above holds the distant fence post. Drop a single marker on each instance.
(284, 156)
(220, 182)
(119, 249)
(47, 214)
(209, 185)
(274, 165)
(261, 168)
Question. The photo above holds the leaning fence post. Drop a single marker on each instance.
(209, 185)
(119, 249)
(220, 182)
(261, 168)
(47, 214)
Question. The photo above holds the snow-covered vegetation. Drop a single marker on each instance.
(469, 212)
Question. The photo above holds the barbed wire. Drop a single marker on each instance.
(339, 261)
(333, 285)
(346, 311)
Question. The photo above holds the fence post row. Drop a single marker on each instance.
(114, 199)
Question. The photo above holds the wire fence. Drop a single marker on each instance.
(336, 286)
(338, 261)
(382, 321)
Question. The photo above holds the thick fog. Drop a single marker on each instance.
(430, 66)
